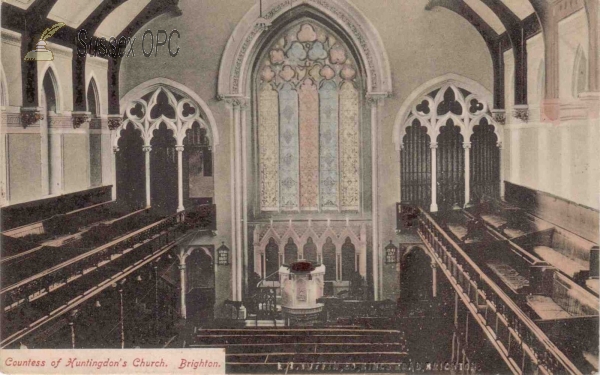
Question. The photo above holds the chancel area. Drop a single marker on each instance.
(313, 185)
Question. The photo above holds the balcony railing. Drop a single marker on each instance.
(523, 345)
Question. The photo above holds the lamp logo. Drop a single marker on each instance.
(41, 53)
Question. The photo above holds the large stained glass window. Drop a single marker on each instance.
(308, 92)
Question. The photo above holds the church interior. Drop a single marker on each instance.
(379, 186)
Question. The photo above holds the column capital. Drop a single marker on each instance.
(499, 115)
(147, 148)
(499, 144)
(433, 145)
(114, 122)
(115, 149)
(31, 115)
(80, 117)
(466, 145)
(521, 112)
(179, 148)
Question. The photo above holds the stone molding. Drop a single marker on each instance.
(236, 59)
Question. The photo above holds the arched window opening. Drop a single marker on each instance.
(329, 260)
(310, 251)
(95, 138)
(308, 89)
(157, 106)
(416, 163)
(163, 169)
(485, 162)
(415, 278)
(50, 91)
(349, 261)
(441, 124)
(580, 73)
(92, 99)
(450, 167)
(200, 283)
(290, 252)
(130, 162)
(198, 182)
(51, 142)
(271, 257)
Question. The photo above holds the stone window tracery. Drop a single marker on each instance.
(454, 126)
(308, 100)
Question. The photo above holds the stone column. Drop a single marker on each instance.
(434, 206)
(179, 149)
(147, 150)
(239, 244)
(434, 279)
(121, 315)
(243, 264)
(467, 147)
(114, 172)
(45, 139)
(375, 100)
(182, 277)
(72, 326)
(114, 123)
(501, 163)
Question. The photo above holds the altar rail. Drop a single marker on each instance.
(156, 234)
(523, 345)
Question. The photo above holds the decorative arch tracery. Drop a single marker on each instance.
(235, 66)
(341, 248)
(163, 105)
(436, 133)
(160, 106)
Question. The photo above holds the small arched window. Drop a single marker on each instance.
(349, 266)
(580, 73)
(329, 260)
(290, 252)
(310, 250)
(271, 257)
(93, 106)
(93, 98)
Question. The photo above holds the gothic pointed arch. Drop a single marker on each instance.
(580, 73)
(430, 94)
(250, 33)
(308, 84)
(438, 128)
(186, 108)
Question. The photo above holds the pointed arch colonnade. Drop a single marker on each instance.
(144, 109)
(436, 107)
